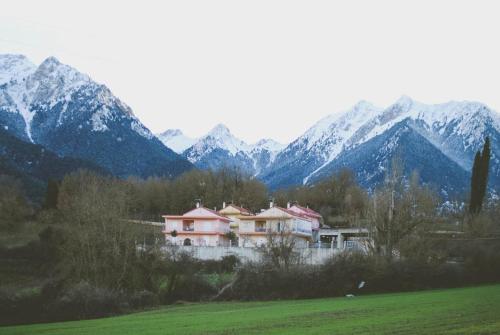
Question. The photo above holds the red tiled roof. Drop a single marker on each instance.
(309, 211)
(300, 215)
(225, 218)
(241, 209)
(216, 213)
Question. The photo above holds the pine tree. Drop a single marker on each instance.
(479, 178)
(483, 173)
(474, 185)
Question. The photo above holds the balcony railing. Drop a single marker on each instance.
(187, 228)
(260, 229)
(303, 230)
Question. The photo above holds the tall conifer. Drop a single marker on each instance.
(483, 173)
(474, 185)
(479, 178)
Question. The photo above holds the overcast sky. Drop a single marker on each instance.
(264, 68)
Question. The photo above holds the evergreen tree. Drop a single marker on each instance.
(479, 178)
(483, 173)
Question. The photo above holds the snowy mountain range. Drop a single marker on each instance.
(220, 148)
(438, 141)
(365, 138)
(66, 112)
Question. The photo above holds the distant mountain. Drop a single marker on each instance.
(68, 113)
(176, 140)
(364, 138)
(316, 147)
(371, 160)
(34, 165)
(220, 148)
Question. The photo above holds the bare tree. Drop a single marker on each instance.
(99, 246)
(13, 205)
(401, 211)
(280, 249)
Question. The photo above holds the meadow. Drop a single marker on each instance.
(472, 310)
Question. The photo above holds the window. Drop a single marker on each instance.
(188, 225)
(187, 242)
(260, 226)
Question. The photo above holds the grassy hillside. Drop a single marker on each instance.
(452, 311)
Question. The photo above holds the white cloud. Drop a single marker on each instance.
(264, 68)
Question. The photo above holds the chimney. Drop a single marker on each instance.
(198, 203)
(271, 203)
(223, 204)
(288, 205)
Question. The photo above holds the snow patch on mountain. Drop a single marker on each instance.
(139, 128)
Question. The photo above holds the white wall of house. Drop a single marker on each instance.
(199, 227)
(307, 255)
(199, 240)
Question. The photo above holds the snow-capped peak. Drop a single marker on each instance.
(58, 77)
(404, 100)
(268, 144)
(220, 138)
(176, 140)
(14, 68)
(340, 126)
(53, 86)
(456, 128)
(219, 147)
(169, 133)
(219, 131)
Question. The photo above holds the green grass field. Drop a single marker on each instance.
(455, 311)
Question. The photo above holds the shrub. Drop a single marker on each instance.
(21, 306)
(143, 299)
(225, 265)
(83, 301)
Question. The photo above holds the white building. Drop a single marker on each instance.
(198, 227)
(256, 230)
(235, 213)
(316, 218)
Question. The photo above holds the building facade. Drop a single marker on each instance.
(316, 218)
(198, 227)
(235, 213)
(256, 231)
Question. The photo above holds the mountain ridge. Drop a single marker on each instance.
(220, 148)
(64, 110)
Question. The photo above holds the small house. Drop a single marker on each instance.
(198, 227)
